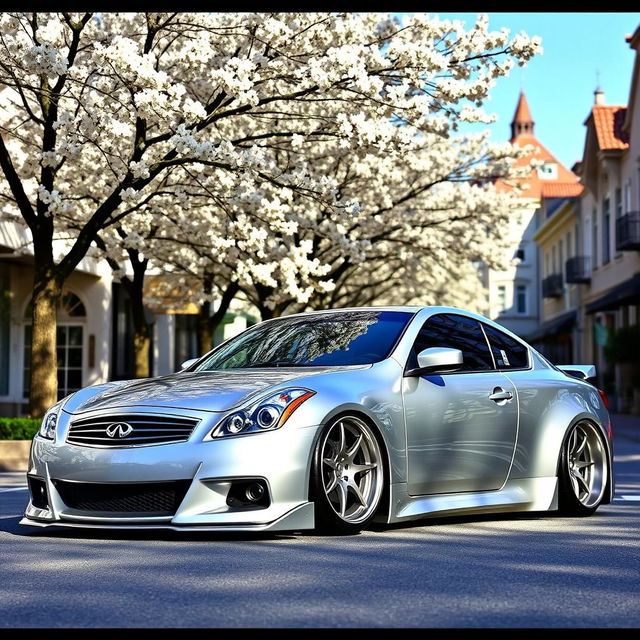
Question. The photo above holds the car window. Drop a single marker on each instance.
(456, 332)
(340, 338)
(508, 353)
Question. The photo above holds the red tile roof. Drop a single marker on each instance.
(533, 184)
(608, 121)
(561, 189)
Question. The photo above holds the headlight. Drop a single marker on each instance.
(48, 427)
(265, 415)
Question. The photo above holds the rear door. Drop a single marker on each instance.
(461, 426)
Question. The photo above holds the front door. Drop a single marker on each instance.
(461, 426)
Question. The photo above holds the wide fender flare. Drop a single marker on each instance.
(388, 423)
(554, 427)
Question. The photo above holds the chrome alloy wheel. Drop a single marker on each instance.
(351, 468)
(587, 464)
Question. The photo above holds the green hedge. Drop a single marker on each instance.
(18, 428)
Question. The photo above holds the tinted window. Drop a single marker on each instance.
(456, 332)
(325, 339)
(508, 353)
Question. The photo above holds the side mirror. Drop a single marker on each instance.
(437, 360)
(187, 363)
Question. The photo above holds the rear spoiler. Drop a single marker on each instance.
(581, 371)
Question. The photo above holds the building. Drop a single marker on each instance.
(559, 334)
(95, 329)
(590, 253)
(610, 221)
(84, 329)
(514, 299)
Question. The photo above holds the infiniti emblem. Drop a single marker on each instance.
(119, 430)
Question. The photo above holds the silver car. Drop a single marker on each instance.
(328, 420)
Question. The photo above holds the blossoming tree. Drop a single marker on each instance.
(97, 110)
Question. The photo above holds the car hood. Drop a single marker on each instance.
(202, 391)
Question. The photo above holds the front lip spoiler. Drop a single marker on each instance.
(300, 517)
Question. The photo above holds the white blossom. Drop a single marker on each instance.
(311, 154)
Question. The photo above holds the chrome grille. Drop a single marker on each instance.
(145, 430)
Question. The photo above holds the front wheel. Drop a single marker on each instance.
(584, 471)
(347, 477)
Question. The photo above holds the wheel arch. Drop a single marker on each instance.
(360, 412)
(609, 487)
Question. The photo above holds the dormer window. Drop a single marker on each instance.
(548, 171)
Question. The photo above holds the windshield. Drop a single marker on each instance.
(324, 339)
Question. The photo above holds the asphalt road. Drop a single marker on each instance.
(532, 570)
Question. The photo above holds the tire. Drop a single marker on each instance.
(347, 476)
(583, 472)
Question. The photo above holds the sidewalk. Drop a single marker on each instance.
(13, 479)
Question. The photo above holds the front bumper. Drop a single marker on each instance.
(280, 458)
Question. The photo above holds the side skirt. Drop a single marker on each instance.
(523, 494)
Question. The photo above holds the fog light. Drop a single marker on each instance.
(38, 490)
(254, 492)
(248, 493)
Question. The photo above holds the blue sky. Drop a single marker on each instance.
(559, 84)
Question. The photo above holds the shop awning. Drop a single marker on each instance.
(560, 324)
(628, 292)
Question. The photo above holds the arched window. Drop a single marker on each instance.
(69, 344)
(69, 306)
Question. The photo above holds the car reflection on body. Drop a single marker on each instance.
(329, 419)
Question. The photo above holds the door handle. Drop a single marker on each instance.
(500, 394)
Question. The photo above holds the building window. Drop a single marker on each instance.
(548, 171)
(521, 299)
(560, 257)
(5, 328)
(502, 298)
(548, 264)
(69, 345)
(627, 197)
(521, 254)
(594, 238)
(69, 341)
(606, 231)
(618, 205)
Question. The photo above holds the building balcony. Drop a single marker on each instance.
(552, 286)
(578, 270)
(628, 232)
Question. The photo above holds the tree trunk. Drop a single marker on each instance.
(43, 366)
(205, 332)
(141, 328)
(141, 347)
(207, 322)
(266, 313)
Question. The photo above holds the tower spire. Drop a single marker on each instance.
(522, 123)
(598, 94)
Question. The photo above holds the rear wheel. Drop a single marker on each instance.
(584, 470)
(347, 476)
